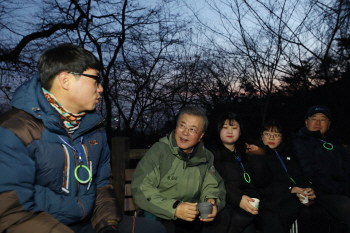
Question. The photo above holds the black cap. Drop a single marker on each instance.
(319, 109)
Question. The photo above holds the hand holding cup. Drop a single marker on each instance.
(214, 211)
(306, 198)
(205, 208)
(255, 203)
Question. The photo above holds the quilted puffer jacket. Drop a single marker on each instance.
(38, 161)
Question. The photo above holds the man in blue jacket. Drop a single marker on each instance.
(54, 157)
(324, 163)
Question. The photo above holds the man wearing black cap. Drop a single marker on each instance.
(324, 163)
(318, 118)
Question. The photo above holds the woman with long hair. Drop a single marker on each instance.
(230, 162)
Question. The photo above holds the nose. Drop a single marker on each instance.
(99, 88)
(318, 121)
(186, 131)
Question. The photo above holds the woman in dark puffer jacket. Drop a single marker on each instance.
(230, 162)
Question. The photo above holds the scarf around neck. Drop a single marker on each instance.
(71, 121)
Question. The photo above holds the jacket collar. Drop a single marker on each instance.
(315, 134)
(198, 155)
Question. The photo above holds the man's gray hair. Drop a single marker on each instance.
(194, 111)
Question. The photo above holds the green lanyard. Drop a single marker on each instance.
(245, 174)
(327, 145)
(80, 153)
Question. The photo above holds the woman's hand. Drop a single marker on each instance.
(299, 192)
(245, 204)
(251, 147)
(310, 193)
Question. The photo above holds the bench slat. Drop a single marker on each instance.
(129, 204)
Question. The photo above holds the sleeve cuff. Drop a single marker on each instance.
(176, 203)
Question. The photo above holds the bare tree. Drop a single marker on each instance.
(101, 27)
(138, 87)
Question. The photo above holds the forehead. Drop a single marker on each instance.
(319, 115)
(191, 120)
(230, 122)
(272, 129)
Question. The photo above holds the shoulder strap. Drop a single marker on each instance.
(26, 127)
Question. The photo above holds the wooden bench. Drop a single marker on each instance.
(129, 204)
(122, 174)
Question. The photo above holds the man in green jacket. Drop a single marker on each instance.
(177, 173)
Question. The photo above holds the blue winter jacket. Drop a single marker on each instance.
(40, 167)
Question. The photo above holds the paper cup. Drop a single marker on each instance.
(205, 208)
(255, 203)
(306, 198)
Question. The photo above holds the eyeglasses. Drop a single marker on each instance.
(96, 77)
(191, 130)
(274, 135)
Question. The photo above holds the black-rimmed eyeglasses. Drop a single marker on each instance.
(96, 77)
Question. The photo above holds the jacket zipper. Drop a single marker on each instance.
(66, 169)
(89, 163)
(75, 159)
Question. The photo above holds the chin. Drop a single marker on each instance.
(90, 110)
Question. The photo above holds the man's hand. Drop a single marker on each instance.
(245, 204)
(187, 211)
(213, 212)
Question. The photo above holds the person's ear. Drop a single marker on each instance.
(201, 137)
(64, 80)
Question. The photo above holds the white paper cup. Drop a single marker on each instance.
(306, 198)
(255, 203)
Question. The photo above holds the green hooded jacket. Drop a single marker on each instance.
(163, 179)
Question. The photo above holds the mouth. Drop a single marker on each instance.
(230, 136)
(183, 140)
(271, 143)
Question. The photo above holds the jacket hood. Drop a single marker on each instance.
(29, 97)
